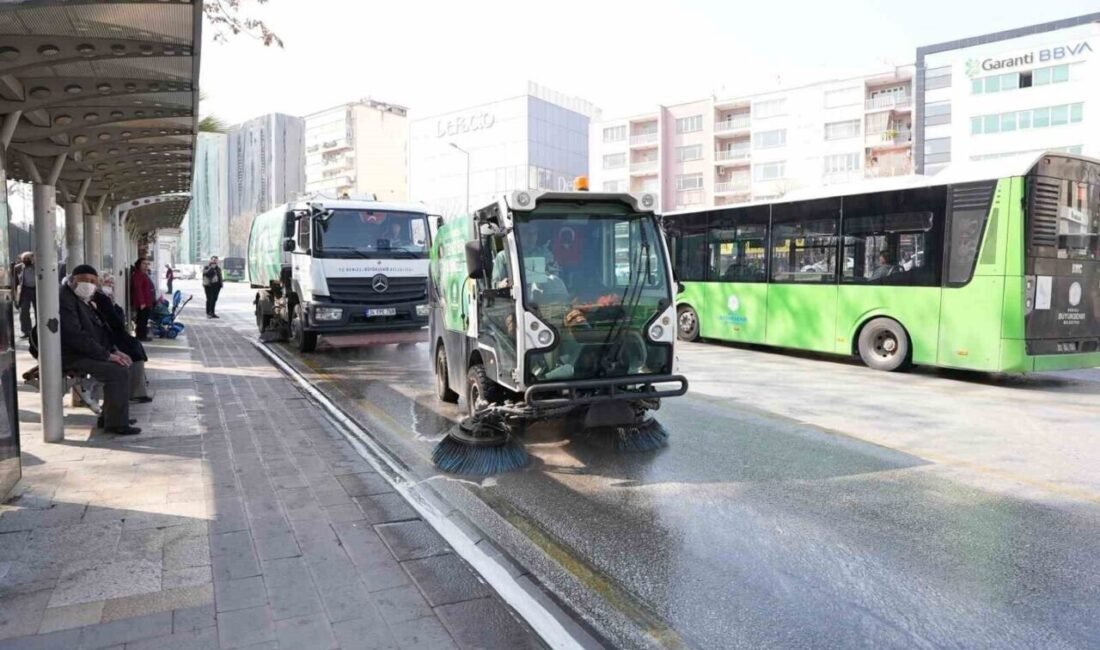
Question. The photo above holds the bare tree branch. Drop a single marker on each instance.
(228, 19)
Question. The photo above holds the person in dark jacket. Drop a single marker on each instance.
(169, 276)
(27, 290)
(86, 346)
(142, 296)
(115, 319)
(212, 284)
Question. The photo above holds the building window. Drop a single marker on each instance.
(689, 182)
(689, 124)
(614, 186)
(769, 139)
(937, 151)
(842, 130)
(937, 113)
(614, 161)
(842, 162)
(769, 108)
(693, 152)
(1035, 118)
(769, 171)
(843, 97)
(614, 134)
(1016, 80)
(937, 78)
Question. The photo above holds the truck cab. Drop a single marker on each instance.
(341, 266)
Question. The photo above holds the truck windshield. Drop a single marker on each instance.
(373, 234)
(596, 273)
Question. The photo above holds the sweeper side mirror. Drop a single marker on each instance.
(288, 244)
(475, 262)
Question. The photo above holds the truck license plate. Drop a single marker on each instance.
(382, 311)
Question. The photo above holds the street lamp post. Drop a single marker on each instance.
(467, 153)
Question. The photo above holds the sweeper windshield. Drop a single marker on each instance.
(596, 273)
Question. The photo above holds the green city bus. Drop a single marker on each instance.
(990, 267)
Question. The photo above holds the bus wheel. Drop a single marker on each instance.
(442, 384)
(884, 345)
(687, 324)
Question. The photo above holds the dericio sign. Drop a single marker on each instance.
(465, 124)
(974, 67)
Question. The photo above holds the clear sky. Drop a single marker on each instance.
(624, 56)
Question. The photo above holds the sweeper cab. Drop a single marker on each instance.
(547, 305)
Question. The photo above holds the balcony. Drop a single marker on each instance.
(733, 186)
(888, 139)
(688, 198)
(733, 124)
(643, 139)
(889, 102)
(732, 155)
(888, 168)
(644, 166)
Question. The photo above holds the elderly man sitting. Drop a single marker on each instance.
(86, 346)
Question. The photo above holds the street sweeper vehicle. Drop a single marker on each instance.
(345, 266)
(552, 306)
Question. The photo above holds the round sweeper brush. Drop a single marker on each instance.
(647, 435)
(480, 445)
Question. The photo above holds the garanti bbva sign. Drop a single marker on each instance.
(976, 67)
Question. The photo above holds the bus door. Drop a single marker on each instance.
(802, 296)
(735, 307)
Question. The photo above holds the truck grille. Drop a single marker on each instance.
(358, 291)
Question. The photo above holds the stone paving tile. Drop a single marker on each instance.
(21, 615)
(158, 601)
(193, 618)
(61, 640)
(412, 540)
(386, 508)
(245, 627)
(364, 484)
(363, 634)
(402, 604)
(445, 579)
(230, 595)
(202, 639)
(422, 634)
(108, 634)
(486, 623)
(314, 632)
(70, 616)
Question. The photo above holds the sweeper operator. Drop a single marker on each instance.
(548, 305)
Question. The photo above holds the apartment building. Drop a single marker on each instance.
(1025, 90)
(358, 148)
(714, 152)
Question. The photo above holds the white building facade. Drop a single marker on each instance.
(714, 152)
(535, 140)
(1021, 91)
(358, 148)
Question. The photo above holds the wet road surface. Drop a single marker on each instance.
(801, 502)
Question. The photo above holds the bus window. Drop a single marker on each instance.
(969, 211)
(893, 238)
(804, 241)
(738, 245)
(1078, 221)
(688, 245)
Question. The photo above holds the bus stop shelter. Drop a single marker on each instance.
(98, 111)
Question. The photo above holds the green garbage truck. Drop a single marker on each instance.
(550, 304)
(340, 267)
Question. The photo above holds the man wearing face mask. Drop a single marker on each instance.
(86, 346)
(115, 320)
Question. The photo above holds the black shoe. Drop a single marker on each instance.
(214, 316)
(142, 400)
(99, 422)
(124, 431)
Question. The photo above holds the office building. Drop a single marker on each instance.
(717, 151)
(538, 139)
(205, 230)
(358, 148)
(266, 167)
(1024, 90)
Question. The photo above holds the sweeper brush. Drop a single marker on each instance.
(648, 435)
(480, 445)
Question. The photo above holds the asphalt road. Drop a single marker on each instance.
(802, 502)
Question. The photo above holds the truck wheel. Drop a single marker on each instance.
(442, 383)
(262, 320)
(480, 388)
(884, 345)
(303, 341)
(687, 324)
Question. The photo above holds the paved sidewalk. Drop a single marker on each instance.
(238, 519)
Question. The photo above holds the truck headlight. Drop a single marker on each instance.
(660, 329)
(327, 313)
(421, 310)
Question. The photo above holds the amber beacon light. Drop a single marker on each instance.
(580, 184)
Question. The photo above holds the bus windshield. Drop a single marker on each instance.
(595, 273)
(374, 234)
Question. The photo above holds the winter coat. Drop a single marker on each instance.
(142, 291)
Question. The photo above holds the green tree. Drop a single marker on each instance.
(228, 19)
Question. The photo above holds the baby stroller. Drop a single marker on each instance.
(163, 320)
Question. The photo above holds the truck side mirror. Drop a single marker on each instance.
(288, 225)
(475, 263)
(289, 245)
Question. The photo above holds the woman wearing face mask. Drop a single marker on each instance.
(115, 319)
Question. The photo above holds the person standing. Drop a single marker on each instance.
(212, 284)
(142, 296)
(28, 293)
(169, 275)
